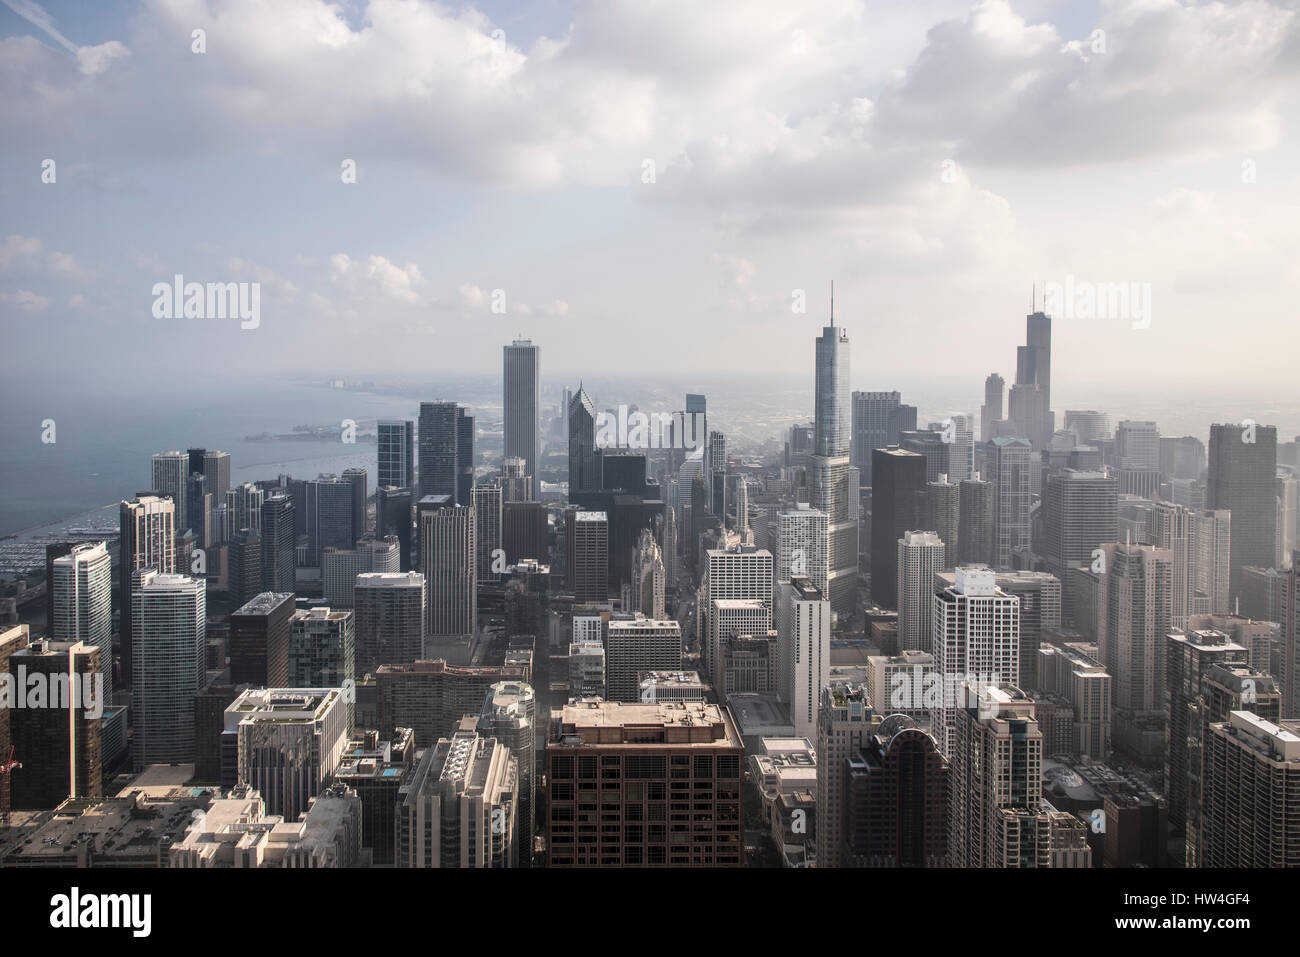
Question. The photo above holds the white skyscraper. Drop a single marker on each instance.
(976, 641)
(1212, 543)
(802, 541)
(803, 628)
(739, 573)
(920, 557)
(169, 650)
(82, 586)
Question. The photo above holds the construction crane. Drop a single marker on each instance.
(6, 769)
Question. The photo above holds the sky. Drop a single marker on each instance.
(651, 187)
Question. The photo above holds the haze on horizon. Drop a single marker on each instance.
(938, 160)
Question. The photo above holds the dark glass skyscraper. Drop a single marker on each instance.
(895, 500)
(278, 544)
(446, 451)
(832, 480)
(521, 403)
(1242, 478)
(396, 453)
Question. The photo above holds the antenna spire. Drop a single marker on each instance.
(832, 302)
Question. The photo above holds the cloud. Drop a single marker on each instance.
(376, 275)
(26, 300)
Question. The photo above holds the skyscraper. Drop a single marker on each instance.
(446, 452)
(169, 669)
(148, 540)
(171, 470)
(487, 516)
(1079, 513)
(521, 380)
(583, 475)
(1010, 462)
(259, 640)
(803, 625)
(991, 410)
(448, 558)
(278, 545)
(920, 558)
(510, 715)
(1242, 478)
(802, 538)
(393, 510)
(895, 498)
(941, 513)
(396, 447)
(1034, 371)
(976, 541)
(82, 586)
(323, 652)
(590, 573)
(390, 612)
(832, 480)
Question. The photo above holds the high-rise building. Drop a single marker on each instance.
(510, 715)
(148, 540)
(169, 648)
(899, 477)
(431, 697)
(920, 558)
(1079, 513)
(1034, 370)
(590, 572)
(872, 417)
(332, 514)
(844, 724)
(802, 540)
(940, 512)
(1040, 612)
(1289, 612)
(931, 444)
(832, 479)
(1089, 426)
(634, 755)
(244, 566)
(487, 518)
(648, 577)
(582, 443)
(59, 745)
(340, 567)
(396, 448)
(259, 640)
(357, 478)
(991, 410)
(1252, 781)
(171, 472)
(742, 573)
(82, 586)
(460, 806)
(976, 642)
(278, 540)
(323, 653)
(637, 645)
(524, 531)
(377, 770)
(803, 625)
(449, 560)
(446, 451)
(976, 541)
(1242, 470)
(243, 509)
(393, 510)
(288, 742)
(1212, 545)
(390, 618)
(521, 401)
(1010, 464)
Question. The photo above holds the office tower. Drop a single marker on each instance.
(995, 808)
(82, 588)
(449, 560)
(396, 447)
(844, 723)
(214, 466)
(940, 512)
(524, 531)
(510, 715)
(1171, 527)
(340, 567)
(622, 472)
(920, 557)
(487, 518)
(1040, 611)
(521, 402)
(1242, 478)
(1250, 813)
(376, 770)
(930, 443)
(1134, 602)
(1080, 512)
(896, 799)
(976, 640)
(431, 697)
(170, 665)
(459, 808)
(390, 618)
(393, 510)
(278, 545)
(1137, 444)
(259, 640)
(648, 577)
(1212, 545)
(1289, 612)
(802, 545)
(803, 625)
(1090, 426)
(738, 574)
(959, 433)
(171, 470)
(991, 410)
(590, 573)
(976, 541)
(243, 509)
(727, 619)
(357, 478)
(1188, 658)
(148, 540)
(1029, 415)
(636, 645)
(331, 516)
(53, 550)
(323, 653)
(639, 751)
(587, 668)
(1181, 458)
(1010, 464)
(516, 483)
(289, 743)
(832, 480)
(1081, 680)
(899, 477)
(59, 742)
(198, 506)
(1034, 364)
(244, 566)
(446, 451)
